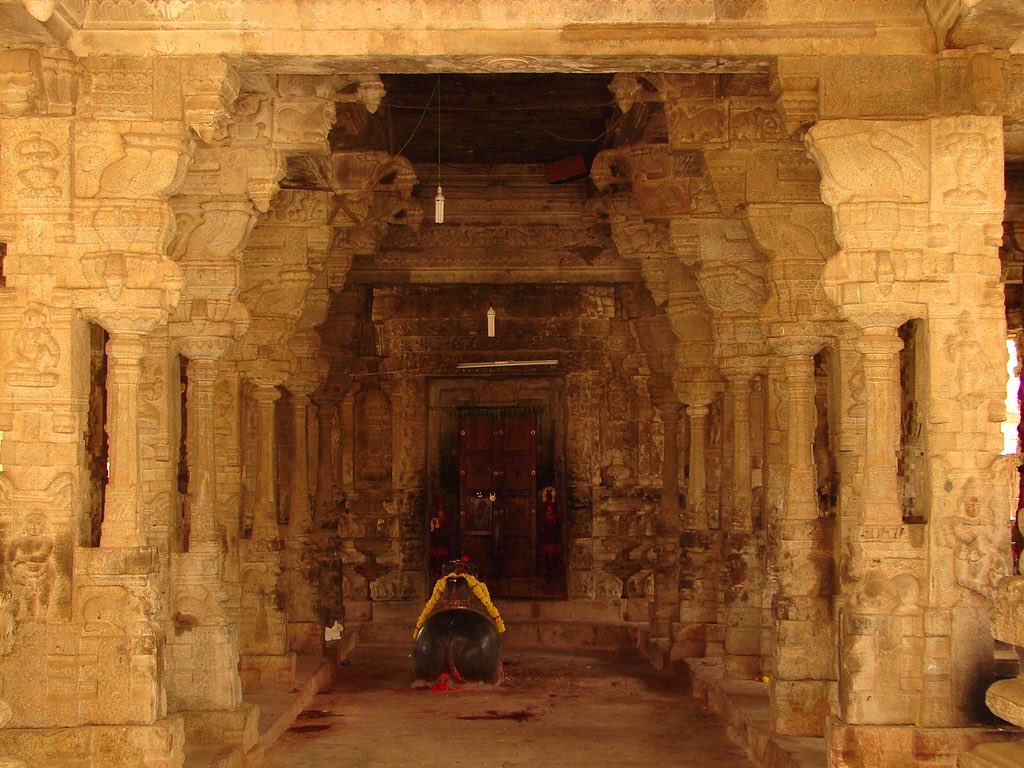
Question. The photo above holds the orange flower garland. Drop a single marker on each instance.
(479, 589)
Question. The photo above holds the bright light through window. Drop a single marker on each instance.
(1012, 406)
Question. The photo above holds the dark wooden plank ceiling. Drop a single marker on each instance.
(507, 118)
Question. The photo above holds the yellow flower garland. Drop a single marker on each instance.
(479, 589)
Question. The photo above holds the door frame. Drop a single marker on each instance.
(446, 395)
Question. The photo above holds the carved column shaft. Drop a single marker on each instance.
(741, 578)
(880, 349)
(738, 401)
(666, 574)
(696, 512)
(299, 518)
(803, 632)
(265, 508)
(800, 499)
(204, 531)
(325, 458)
(121, 525)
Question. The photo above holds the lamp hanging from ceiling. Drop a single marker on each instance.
(439, 198)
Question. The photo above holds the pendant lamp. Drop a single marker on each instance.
(439, 198)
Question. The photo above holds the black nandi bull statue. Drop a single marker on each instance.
(458, 634)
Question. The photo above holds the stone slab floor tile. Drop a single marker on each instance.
(552, 710)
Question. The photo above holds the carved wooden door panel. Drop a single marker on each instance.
(497, 513)
(477, 478)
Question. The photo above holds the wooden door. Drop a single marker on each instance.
(498, 488)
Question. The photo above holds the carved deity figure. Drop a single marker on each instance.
(29, 564)
(971, 161)
(35, 352)
(976, 567)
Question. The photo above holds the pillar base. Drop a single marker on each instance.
(203, 666)
(799, 707)
(259, 672)
(907, 746)
(160, 745)
(239, 726)
(306, 637)
(742, 667)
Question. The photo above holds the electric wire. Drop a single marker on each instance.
(420, 121)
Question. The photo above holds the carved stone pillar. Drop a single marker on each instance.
(265, 526)
(266, 661)
(741, 610)
(917, 206)
(121, 524)
(801, 608)
(325, 518)
(203, 649)
(879, 347)
(204, 531)
(326, 409)
(300, 560)
(299, 514)
(665, 611)
(696, 501)
(698, 553)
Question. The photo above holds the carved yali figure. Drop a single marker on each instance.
(35, 352)
(30, 570)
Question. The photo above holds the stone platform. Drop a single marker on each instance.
(268, 715)
(555, 708)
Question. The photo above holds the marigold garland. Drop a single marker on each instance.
(479, 589)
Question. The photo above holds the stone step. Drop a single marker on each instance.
(609, 611)
(588, 635)
(214, 756)
(743, 705)
(267, 715)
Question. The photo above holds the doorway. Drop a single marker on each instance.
(497, 493)
(495, 459)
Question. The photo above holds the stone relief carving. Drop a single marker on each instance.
(865, 162)
(968, 357)
(731, 288)
(304, 121)
(373, 434)
(979, 563)
(35, 352)
(29, 564)
(696, 122)
(758, 124)
(37, 158)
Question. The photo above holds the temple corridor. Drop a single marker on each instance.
(685, 322)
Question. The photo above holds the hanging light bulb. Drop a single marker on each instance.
(439, 197)
(491, 314)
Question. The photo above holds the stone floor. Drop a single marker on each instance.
(554, 709)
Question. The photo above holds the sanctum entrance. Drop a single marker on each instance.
(497, 499)
(495, 454)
